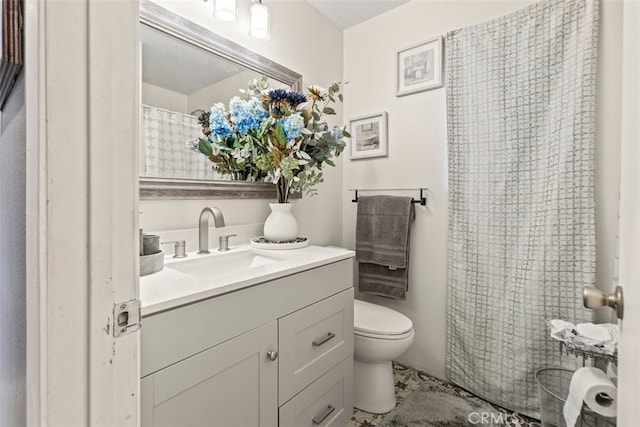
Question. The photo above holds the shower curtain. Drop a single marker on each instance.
(521, 145)
(165, 134)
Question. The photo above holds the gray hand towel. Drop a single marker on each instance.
(379, 280)
(382, 240)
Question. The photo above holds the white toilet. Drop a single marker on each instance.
(380, 336)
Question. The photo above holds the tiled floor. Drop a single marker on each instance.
(407, 380)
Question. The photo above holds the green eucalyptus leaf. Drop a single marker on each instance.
(329, 110)
(264, 127)
(280, 135)
(304, 155)
(205, 147)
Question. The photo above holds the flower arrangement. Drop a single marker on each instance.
(275, 135)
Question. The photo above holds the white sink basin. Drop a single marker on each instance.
(224, 264)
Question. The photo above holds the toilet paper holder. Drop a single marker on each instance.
(595, 298)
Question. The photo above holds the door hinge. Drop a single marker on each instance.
(126, 317)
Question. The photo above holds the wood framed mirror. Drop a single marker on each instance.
(185, 70)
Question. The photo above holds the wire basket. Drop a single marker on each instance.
(570, 348)
(553, 389)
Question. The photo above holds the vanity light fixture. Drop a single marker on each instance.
(225, 10)
(259, 20)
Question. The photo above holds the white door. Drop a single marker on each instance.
(82, 103)
(629, 369)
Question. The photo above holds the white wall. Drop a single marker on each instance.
(222, 91)
(164, 98)
(13, 334)
(306, 42)
(418, 149)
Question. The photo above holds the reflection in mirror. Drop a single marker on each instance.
(185, 70)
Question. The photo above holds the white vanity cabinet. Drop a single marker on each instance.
(276, 353)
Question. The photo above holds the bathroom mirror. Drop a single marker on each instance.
(185, 70)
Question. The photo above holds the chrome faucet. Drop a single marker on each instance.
(218, 221)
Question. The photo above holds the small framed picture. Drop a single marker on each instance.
(369, 136)
(419, 67)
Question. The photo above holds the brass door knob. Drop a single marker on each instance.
(595, 298)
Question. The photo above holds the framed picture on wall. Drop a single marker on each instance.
(419, 67)
(10, 45)
(369, 136)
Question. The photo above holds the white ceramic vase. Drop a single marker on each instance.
(281, 225)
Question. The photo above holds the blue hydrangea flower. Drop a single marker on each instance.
(258, 110)
(336, 133)
(242, 115)
(292, 126)
(218, 121)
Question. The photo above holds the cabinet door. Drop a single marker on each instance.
(232, 384)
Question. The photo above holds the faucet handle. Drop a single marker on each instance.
(223, 242)
(179, 248)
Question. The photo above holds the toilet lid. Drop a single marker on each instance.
(376, 319)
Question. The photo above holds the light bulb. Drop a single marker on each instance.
(225, 10)
(259, 21)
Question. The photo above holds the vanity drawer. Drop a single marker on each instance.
(313, 340)
(326, 402)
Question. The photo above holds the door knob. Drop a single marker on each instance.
(594, 298)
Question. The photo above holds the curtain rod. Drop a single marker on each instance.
(422, 200)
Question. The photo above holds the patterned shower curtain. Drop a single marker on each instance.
(521, 138)
(165, 134)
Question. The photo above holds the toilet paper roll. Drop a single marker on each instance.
(593, 387)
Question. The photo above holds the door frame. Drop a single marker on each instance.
(82, 104)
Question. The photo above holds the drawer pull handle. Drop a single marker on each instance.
(272, 355)
(318, 342)
(318, 419)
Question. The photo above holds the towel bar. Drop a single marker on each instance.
(422, 200)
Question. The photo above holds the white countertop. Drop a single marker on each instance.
(170, 288)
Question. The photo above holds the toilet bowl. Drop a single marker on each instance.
(380, 336)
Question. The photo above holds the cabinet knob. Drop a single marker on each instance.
(272, 355)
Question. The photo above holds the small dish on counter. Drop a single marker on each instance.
(263, 243)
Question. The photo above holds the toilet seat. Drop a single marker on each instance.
(376, 321)
(382, 336)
